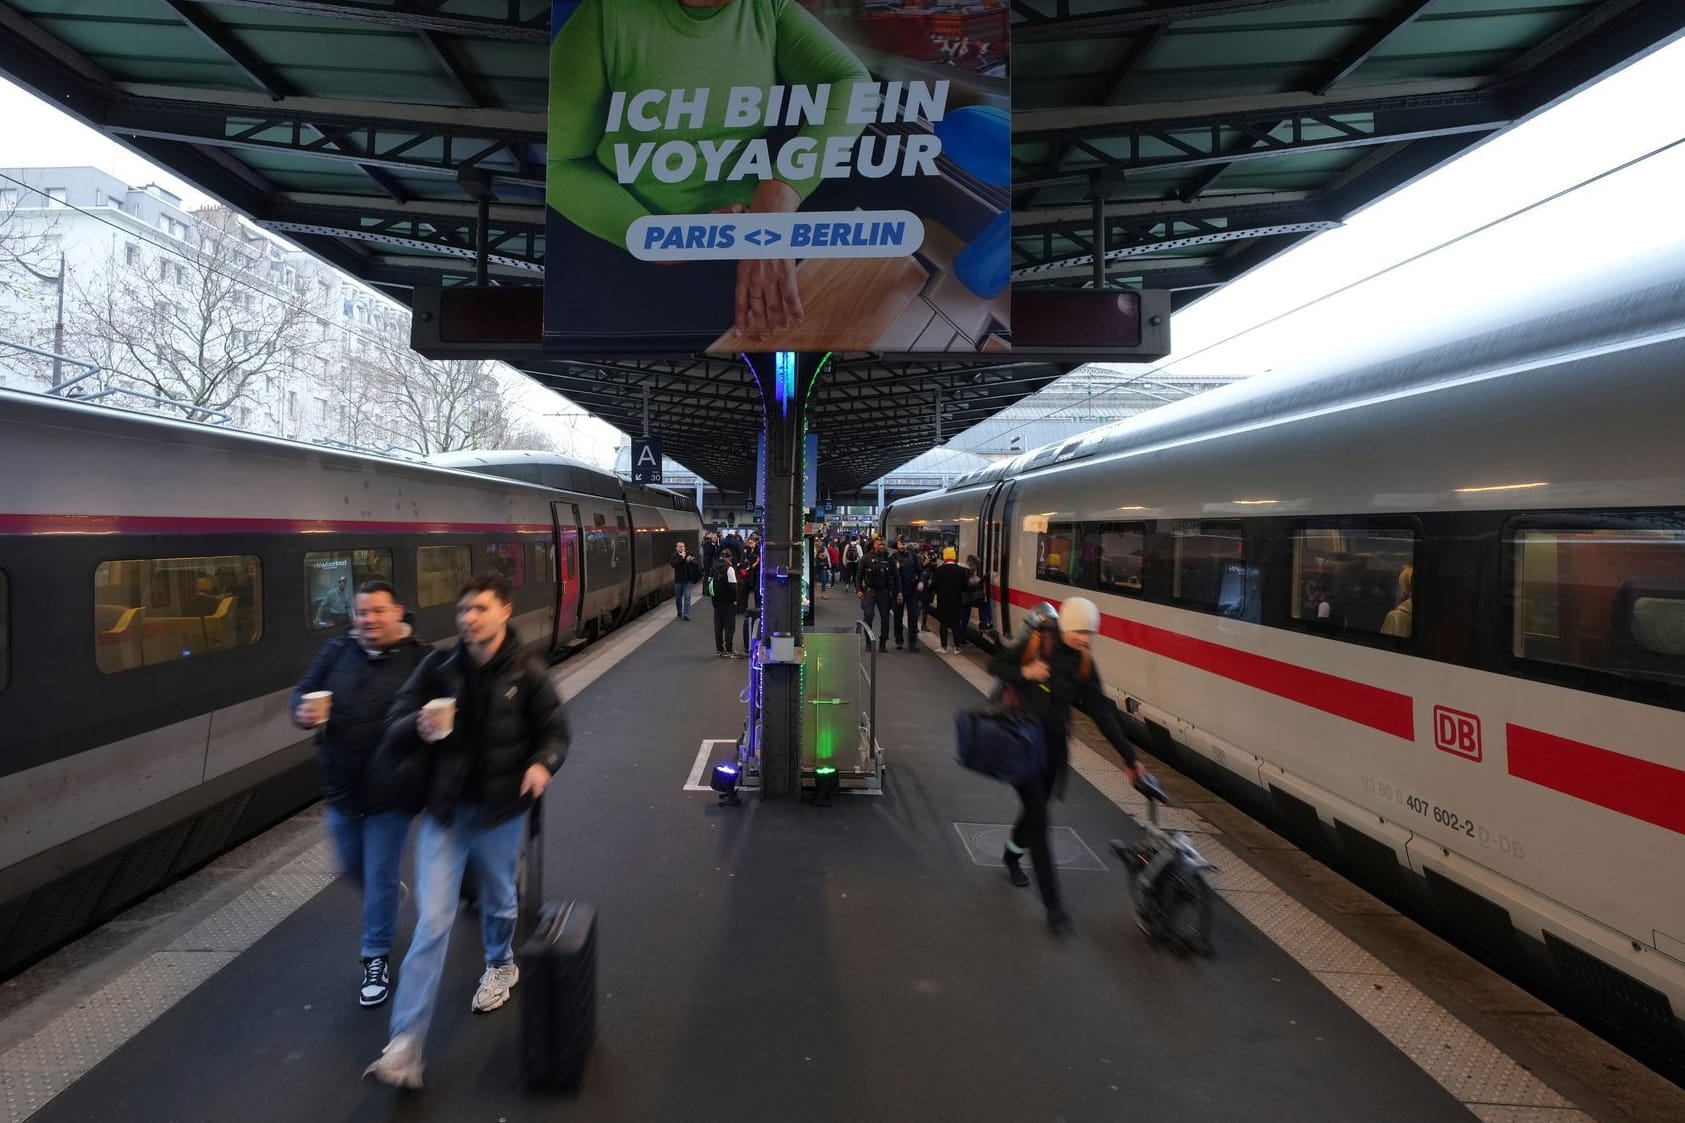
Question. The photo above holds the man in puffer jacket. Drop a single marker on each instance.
(366, 819)
(497, 733)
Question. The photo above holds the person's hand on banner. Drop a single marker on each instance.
(767, 296)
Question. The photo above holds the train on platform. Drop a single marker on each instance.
(163, 585)
(1425, 614)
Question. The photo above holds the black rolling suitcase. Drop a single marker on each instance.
(558, 979)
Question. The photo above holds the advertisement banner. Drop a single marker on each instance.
(765, 175)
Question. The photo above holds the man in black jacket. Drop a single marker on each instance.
(494, 753)
(683, 567)
(879, 583)
(366, 818)
(722, 590)
(909, 577)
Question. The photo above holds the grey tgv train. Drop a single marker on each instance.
(163, 584)
(1427, 614)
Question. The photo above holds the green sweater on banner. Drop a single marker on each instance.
(627, 46)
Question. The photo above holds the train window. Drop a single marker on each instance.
(5, 631)
(1056, 552)
(1354, 580)
(439, 572)
(1608, 599)
(1210, 569)
(508, 559)
(331, 578)
(544, 562)
(163, 610)
(1111, 558)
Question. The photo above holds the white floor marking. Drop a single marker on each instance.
(1494, 1087)
(703, 756)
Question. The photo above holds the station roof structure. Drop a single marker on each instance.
(1215, 134)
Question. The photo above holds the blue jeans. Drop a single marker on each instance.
(681, 598)
(370, 847)
(441, 855)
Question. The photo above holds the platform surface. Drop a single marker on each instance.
(780, 961)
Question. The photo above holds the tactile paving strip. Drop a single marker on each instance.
(47, 1062)
(1502, 1113)
(1495, 1088)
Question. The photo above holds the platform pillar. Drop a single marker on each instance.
(785, 379)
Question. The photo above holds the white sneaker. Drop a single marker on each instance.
(494, 988)
(399, 1064)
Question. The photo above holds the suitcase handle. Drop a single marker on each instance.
(532, 889)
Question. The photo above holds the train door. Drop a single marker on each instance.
(1005, 503)
(569, 586)
(994, 587)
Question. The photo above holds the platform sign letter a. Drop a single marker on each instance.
(646, 460)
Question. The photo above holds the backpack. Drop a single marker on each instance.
(852, 554)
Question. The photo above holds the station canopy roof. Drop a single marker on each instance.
(1218, 133)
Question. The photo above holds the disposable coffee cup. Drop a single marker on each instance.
(444, 716)
(319, 703)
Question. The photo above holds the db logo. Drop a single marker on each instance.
(1456, 732)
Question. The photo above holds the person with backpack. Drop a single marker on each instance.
(851, 562)
(722, 590)
(1045, 673)
(368, 817)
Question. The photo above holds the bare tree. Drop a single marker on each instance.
(430, 407)
(31, 266)
(204, 326)
(28, 255)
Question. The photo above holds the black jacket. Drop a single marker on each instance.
(877, 573)
(725, 588)
(952, 580)
(681, 567)
(514, 721)
(363, 688)
(909, 574)
(1050, 702)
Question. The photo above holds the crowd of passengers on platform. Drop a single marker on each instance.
(911, 589)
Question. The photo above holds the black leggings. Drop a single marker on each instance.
(725, 619)
(1030, 833)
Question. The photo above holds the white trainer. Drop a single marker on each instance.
(399, 1064)
(494, 988)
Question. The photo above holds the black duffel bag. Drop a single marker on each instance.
(1001, 743)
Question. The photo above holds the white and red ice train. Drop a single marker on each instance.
(1426, 614)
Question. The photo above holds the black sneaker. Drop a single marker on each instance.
(1059, 921)
(377, 981)
(1014, 870)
